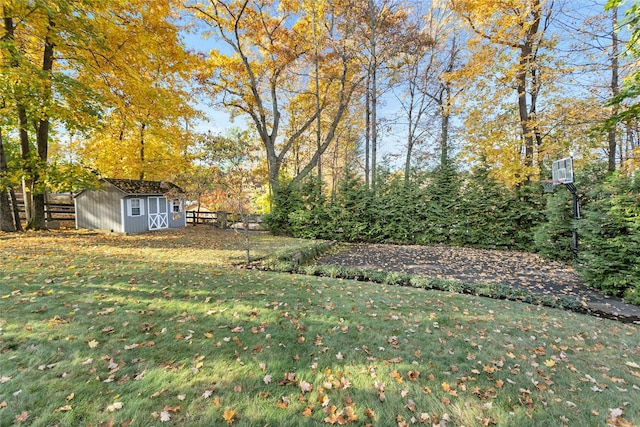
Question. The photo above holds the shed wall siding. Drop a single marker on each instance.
(137, 224)
(177, 219)
(99, 210)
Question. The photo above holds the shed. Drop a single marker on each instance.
(130, 206)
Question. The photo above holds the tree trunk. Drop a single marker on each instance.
(527, 58)
(373, 40)
(374, 130)
(410, 135)
(38, 222)
(6, 218)
(615, 89)
(444, 130)
(142, 127)
(25, 147)
(523, 110)
(367, 134)
(317, 95)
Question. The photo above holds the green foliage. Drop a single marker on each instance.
(441, 206)
(285, 200)
(351, 218)
(393, 219)
(69, 177)
(610, 234)
(495, 216)
(553, 237)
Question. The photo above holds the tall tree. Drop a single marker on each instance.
(386, 33)
(143, 78)
(263, 71)
(428, 93)
(627, 107)
(513, 32)
(31, 33)
(7, 222)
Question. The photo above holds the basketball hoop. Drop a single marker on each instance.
(550, 184)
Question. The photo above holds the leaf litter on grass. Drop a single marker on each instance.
(185, 346)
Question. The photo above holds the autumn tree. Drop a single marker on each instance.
(426, 92)
(68, 63)
(509, 41)
(387, 32)
(44, 44)
(263, 71)
(27, 50)
(143, 78)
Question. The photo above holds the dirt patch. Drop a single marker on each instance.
(513, 268)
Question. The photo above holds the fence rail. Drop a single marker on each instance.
(222, 219)
(53, 211)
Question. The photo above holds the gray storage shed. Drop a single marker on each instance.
(130, 206)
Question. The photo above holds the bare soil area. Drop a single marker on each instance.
(512, 268)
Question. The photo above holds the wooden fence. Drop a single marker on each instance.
(57, 208)
(222, 219)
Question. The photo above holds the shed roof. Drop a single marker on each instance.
(133, 187)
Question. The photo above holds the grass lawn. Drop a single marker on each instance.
(161, 329)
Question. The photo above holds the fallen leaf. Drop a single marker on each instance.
(115, 406)
(305, 386)
(632, 365)
(229, 415)
(22, 417)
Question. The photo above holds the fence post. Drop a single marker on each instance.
(221, 219)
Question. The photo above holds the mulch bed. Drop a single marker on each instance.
(519, 269)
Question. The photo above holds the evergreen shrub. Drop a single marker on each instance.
(610, 237)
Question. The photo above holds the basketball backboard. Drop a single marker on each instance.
(562, 171)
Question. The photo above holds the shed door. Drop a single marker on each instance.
(158, 215)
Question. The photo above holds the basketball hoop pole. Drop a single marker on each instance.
(576, 216)
(563, 173)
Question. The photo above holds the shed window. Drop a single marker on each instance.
(176, 206)
(135, 207)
